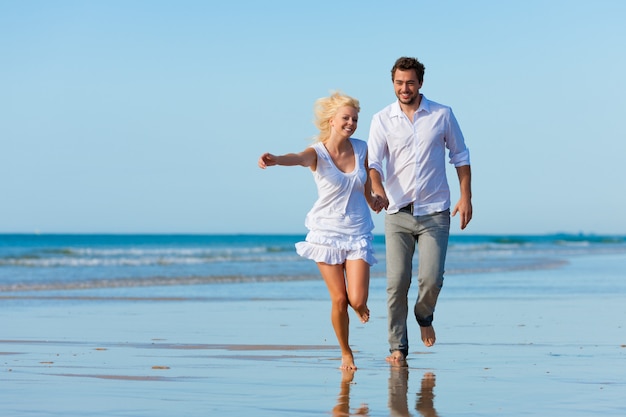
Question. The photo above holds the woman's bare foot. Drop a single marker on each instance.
(364, 314)
(347, 362)
(428, 335)
(396, 358)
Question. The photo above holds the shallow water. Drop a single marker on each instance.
(521, 343)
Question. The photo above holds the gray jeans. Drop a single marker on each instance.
(402, 232)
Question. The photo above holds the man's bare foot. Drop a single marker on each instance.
(428, 335)
(396, 358)
(347, 362)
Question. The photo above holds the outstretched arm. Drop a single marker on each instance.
(464, 206)
(306, 158)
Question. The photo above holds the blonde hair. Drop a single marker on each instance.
(325, 109)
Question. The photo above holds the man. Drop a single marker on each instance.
(412, 135)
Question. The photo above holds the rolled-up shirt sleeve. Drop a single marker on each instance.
(377, 147)
(459, 153)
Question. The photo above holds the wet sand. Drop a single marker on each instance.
(525, 343)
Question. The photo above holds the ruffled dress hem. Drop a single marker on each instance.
(335, 249)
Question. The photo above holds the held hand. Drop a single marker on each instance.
(378, 203)
(464, 208)
(374, 203)
(267, 160)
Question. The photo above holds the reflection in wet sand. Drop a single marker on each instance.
(425, 403)
(342, 409)
(398, 388)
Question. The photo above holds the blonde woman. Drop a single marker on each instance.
(340, 223)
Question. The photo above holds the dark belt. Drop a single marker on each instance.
(407, 209)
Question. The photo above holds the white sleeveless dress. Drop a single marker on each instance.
(340, 223)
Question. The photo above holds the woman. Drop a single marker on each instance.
(340, 224)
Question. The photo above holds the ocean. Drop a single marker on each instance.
(62, 263)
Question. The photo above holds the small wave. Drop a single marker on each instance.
(573, 243)
(517, 241)
(144, 260)
(133, 252)
(126, 258)
(61, 251)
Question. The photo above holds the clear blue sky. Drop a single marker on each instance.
(149, 116)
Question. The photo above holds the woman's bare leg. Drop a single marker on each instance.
(335, 281)
(358, 282)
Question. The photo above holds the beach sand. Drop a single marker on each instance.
(525, 343)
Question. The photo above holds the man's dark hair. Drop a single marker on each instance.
(405, 64)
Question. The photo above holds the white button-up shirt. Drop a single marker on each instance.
(414, 151)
